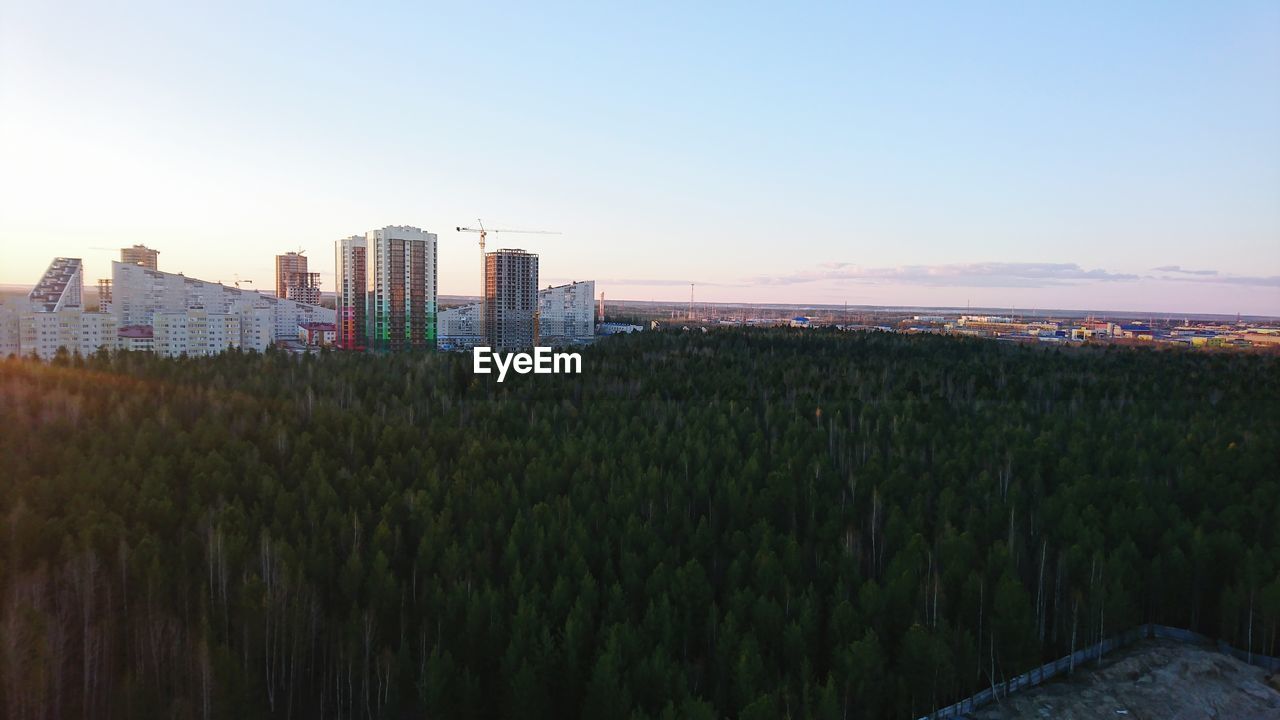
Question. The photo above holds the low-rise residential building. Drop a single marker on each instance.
(315, 333)
(613, 328)
(136, 338)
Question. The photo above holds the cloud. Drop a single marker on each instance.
(1180, 274)
(1178, 269)
(655, 282)
(990, 274)
(978, 275)
(1256, 281)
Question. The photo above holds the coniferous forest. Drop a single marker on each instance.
(749, 524)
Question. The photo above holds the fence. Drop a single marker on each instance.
(1065, 664)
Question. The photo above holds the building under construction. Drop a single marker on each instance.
(293, 282)
(510, 299)
(141, 255)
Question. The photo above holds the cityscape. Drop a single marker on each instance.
(386, 300)
(819, 361)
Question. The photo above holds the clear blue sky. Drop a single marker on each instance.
(1006, 154)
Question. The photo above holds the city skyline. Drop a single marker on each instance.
(1083, 158)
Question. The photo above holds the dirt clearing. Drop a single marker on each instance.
(1150, 680)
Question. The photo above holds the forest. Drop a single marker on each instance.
(737, 524)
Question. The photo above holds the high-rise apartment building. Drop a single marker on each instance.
(293, 282)
(140, 255)
(351, 292)
(510, 299)
(55, 319)
(566, 313)
(61, 286)
(139, 295)
(400, 276)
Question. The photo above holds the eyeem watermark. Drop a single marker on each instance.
(541, 362)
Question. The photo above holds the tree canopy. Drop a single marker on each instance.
(764, 523)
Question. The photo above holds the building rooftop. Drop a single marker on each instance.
(48, 293)
(136, 331)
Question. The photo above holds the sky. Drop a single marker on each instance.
(1081, 155)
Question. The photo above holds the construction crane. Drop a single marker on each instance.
(485, 232)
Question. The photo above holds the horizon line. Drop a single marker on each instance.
(23, 288)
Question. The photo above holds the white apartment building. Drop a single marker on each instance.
(400, 279)
(258, 329)
(140, 294)
(566, 313)
(195, 332)
(97, 331)
(44, 333)
(459, 328)
(60, 287)
(54, 317)
(10, 331)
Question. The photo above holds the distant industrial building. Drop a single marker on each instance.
(140, 255)
(566, 313)
(293, 282)
(400, 277)
(510, 299)
(614, 328)
(351, 308)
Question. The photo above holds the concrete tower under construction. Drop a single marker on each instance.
(510, 299)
